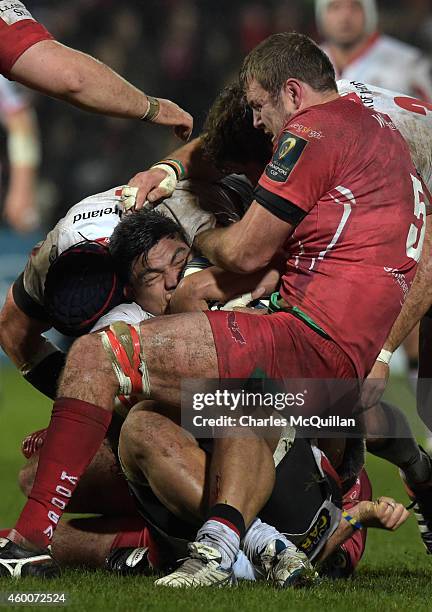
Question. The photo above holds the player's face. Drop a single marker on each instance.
(153, 280)
(269, 114)
(344, 22)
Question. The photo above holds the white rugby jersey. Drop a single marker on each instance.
(412, 118)
(95, 218)
(389, 63)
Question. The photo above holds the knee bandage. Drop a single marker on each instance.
(122, 343)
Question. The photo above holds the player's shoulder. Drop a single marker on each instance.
(323, 121)
(94, 206)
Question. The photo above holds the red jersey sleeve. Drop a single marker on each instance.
(18, 32)
(300, 171)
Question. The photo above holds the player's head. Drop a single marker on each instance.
(230, 140)
(150, 251)
(281, 75)
(81, 285)
(345, 23)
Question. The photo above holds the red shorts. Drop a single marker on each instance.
(280, 345)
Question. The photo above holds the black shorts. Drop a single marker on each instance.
(304, 505)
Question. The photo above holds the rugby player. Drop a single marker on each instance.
(321, 338)
(360, 52)
(29, 54)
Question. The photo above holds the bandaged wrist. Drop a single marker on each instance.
(23, 149)
(355, 524)
(176, 165)
(385, 356)
(152, 109)
(170, 181)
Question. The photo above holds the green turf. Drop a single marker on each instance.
(395, 573)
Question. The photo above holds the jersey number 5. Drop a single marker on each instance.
(414, 243)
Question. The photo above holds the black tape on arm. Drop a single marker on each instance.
(44, 377)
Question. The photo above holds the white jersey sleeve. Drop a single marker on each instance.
(412, 117)
(129, 313)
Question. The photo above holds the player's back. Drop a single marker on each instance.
(412, 117)
(353, 256)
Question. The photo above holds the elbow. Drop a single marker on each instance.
(73, 83)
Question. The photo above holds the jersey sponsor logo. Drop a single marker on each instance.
(316, 532)
(365, 94)
(93, 214)
(11, 12)
(288, 152)
(304, 129)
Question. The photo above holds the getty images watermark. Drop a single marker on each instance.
(313, 408)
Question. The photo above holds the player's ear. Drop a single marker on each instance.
(292, 94)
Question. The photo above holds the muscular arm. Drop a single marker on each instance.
(419, 297)
(21, 339)
(214, 284)
(248, 245)
(80, 79)
(20, 336)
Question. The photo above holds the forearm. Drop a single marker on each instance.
(219, 246)
(214, 284)
(419, 298)
(80, 79)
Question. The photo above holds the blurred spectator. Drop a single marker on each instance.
(23, 155)
(359, 52)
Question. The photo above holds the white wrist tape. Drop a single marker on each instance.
(169, 183)
(46, 349)
(385, 356)
(23, 149)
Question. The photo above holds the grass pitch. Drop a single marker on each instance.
(395, 573)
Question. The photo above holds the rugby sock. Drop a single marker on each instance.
(223, 530)
(400, 448)
(74, 435)
(258, 536)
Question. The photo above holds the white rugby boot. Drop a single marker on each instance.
(201, 568)
(288, 567)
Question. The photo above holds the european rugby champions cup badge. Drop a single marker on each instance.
(285, 157)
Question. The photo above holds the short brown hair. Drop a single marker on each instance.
(288, 55)
(229, 134)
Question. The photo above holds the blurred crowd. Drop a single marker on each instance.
(184, 50)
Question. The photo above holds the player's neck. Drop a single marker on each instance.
(313, 98)
(342, 55)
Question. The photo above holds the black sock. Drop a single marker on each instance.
(228, 515)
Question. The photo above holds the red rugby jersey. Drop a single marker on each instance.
(18, 32)
(344, 174)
